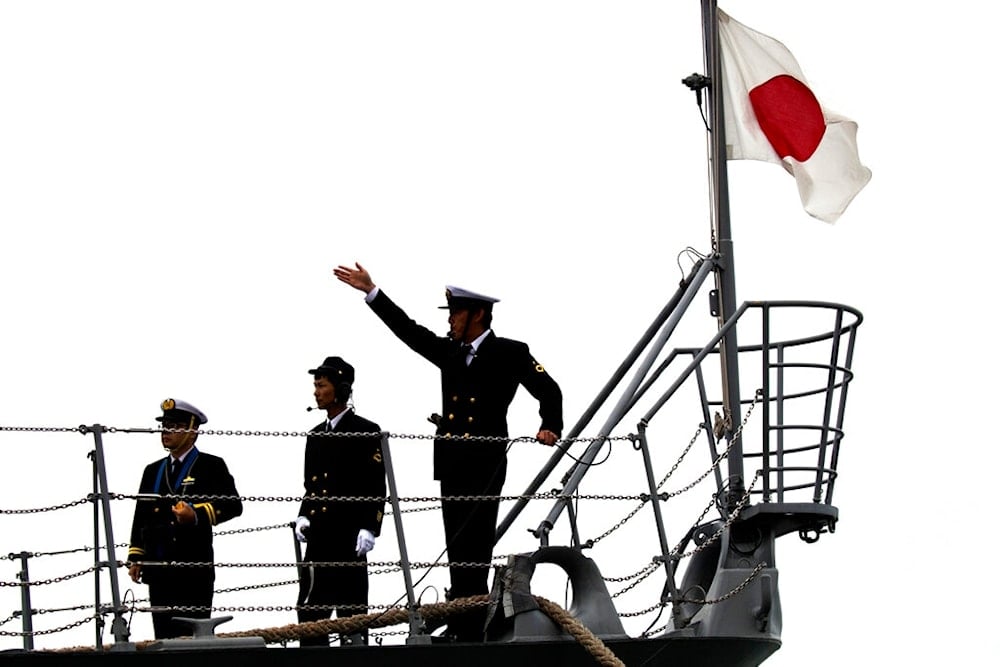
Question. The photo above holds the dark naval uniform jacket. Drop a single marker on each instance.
(339, 466)
(343, 466)
(156, 536)
(475, 397)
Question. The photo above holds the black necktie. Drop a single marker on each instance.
(467, 349)
(175, 466)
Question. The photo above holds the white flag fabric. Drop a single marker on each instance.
(772, 115)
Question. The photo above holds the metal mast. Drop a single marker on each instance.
(724, 297)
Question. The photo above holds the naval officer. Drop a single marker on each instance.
(339, 466)
(480, 373)
(173, 520)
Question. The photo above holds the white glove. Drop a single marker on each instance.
(366, 542)
(301, 526)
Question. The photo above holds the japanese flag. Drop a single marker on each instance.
(771, 115)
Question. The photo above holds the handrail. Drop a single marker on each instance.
(779, 455)
(693, 281)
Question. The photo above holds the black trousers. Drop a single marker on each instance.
(178, 587)
(344, 585)
(470, 531)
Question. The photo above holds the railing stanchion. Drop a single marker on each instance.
(119, 627)
(26, 611)
(417, 626)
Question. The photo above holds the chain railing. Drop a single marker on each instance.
(378, 567)
(430, 502)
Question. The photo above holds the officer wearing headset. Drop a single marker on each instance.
(480, 373)
(174, 518)
(337, 530)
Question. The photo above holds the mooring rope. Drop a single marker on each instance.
(435, 611)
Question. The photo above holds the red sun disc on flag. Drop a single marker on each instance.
(789, 115)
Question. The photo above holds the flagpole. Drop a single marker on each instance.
(725, 278)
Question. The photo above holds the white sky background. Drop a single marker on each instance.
(178, 179)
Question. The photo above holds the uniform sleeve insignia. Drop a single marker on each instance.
(209, 512)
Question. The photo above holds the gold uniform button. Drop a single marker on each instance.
(324, 509)
(324, 492)
(472, 399)
(454, 399)
(312, 512)
(324, 477)
(315, 478)
(470, 420)
(466, 435)
(155, 510)
(451, 417)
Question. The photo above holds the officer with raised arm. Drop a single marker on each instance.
(480, 374)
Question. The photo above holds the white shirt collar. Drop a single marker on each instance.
(474, 346)
(180, 459)
(479, 341)
(334, 420)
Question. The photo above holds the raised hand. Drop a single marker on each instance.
(358, 278)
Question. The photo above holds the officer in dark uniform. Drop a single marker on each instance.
(338, 530)
(173, 520)
(480, 373)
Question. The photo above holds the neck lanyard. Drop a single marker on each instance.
(162, 473)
